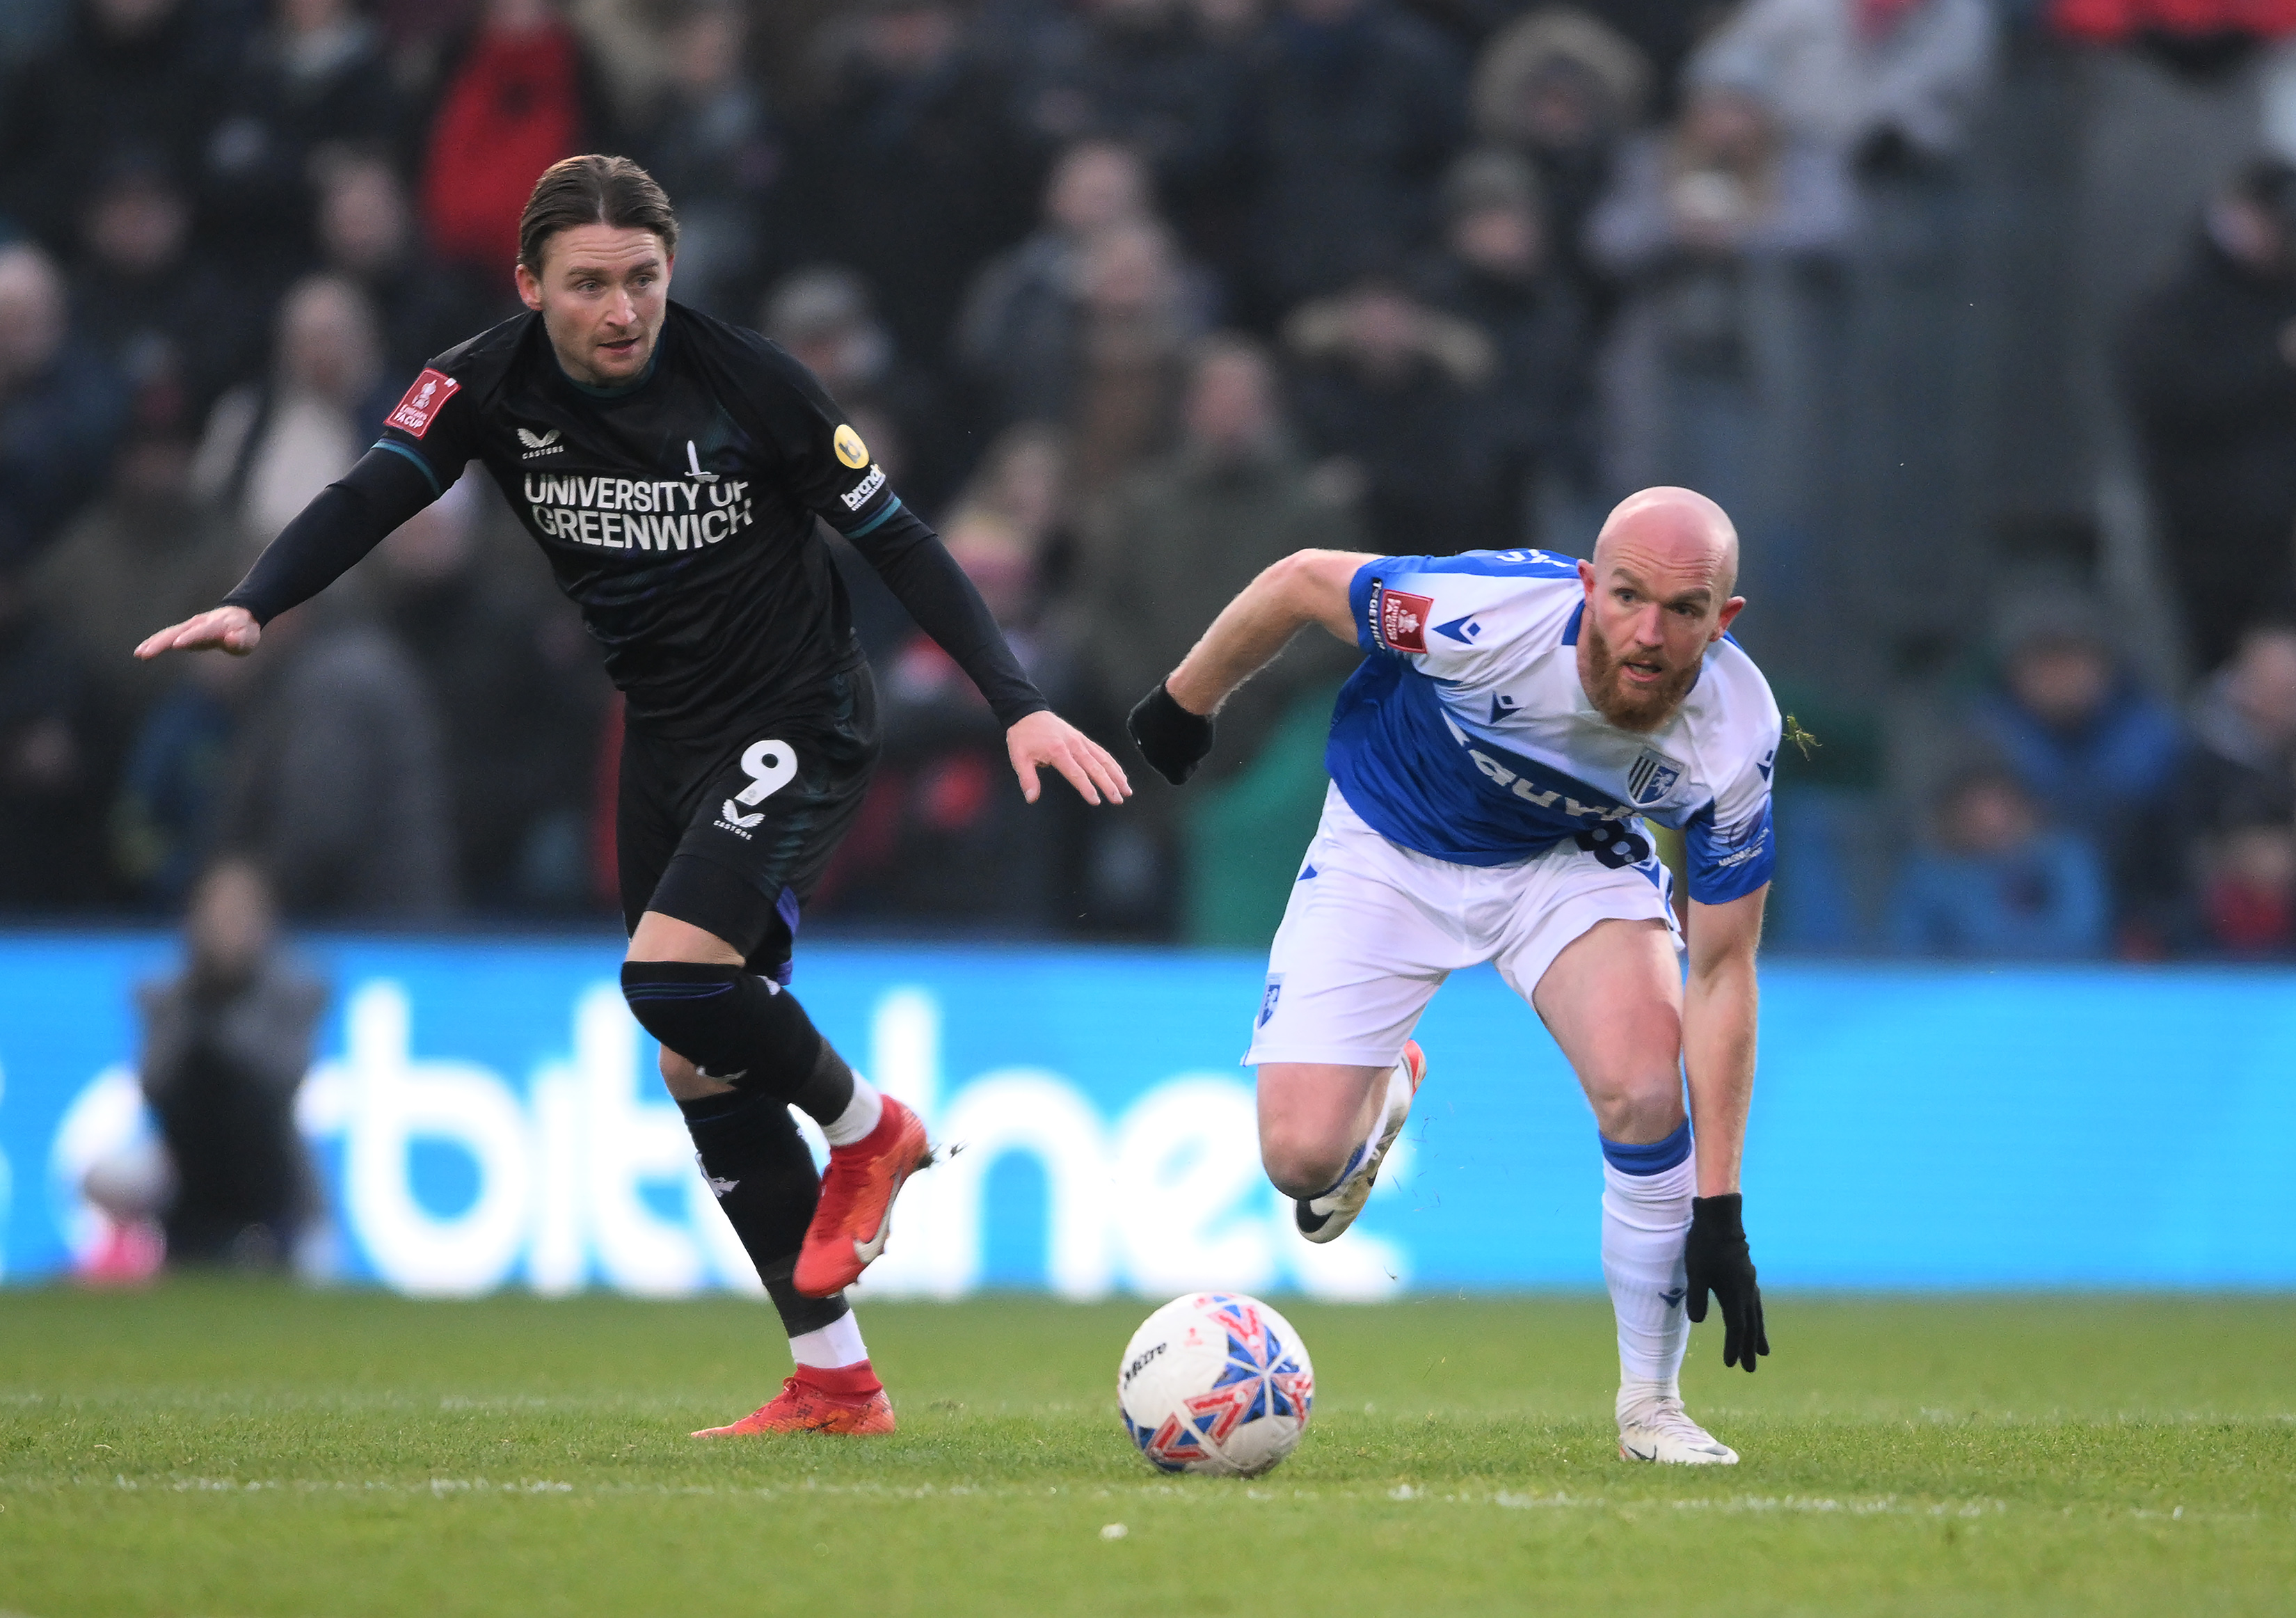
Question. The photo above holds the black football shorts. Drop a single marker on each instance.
(735, 835)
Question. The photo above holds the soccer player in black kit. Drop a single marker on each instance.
(672, 468)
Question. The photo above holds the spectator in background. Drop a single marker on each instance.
(824, 316)
(2209, 361)
(175, 328)
(1719, 371)
(1025, 317)
(1494, 270)
(225, 1044)
(1393, 389)
(50, 824)
(912, 169)
(316, 80)
(130, 75)
(2244, 731)
(367, 238)
(518, 764)
(1355, 109)
(1183, 535)
(2247, 892)
(2085, 740)
(1998, 884)
(1177, 541)
(1142, 73)
(270, 446)
(712, 142)
(1563, 90)
(144, 553)
(163, 825)
(60, 408)
(1896, 83)
(1894, 87)
(337, 787)
(518, 94)
(1116, 387)
(939, 838)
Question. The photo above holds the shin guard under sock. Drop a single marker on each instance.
(767, 1186)
(743, 1030)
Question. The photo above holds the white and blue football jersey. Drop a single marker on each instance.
(1467, 736)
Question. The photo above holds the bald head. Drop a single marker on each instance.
(1677, 531)
(1658, 594)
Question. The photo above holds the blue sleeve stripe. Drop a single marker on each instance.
(877, 521)
(415, 456)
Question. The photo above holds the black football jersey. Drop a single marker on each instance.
(677, 512)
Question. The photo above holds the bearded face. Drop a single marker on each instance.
(1637, 687)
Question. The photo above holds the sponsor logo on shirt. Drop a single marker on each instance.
(850, 448)
(539, 444)
(423, 401)
(857, 496)
(637, 514)
(1399, 618)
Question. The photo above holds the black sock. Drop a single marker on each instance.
(767, 1187)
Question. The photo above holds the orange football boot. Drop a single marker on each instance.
(855, 1212)
(848, 1401)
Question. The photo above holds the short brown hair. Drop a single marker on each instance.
(592, 190)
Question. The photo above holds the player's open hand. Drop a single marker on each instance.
(232, 629)
(1715, 1258)
(1043, 737)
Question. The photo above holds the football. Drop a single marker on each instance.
(1215, 1381)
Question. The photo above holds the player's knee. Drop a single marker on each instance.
(1637, 1106)
(1299, 1162)
(722, 1023)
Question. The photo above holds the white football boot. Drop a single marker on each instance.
(1322, 1218)
(1654, 1427)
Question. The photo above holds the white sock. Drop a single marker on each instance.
(833, 1346)
(1645, 1218)
(859, 1117)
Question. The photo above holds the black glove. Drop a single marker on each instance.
(1169, 737)
(1715, 1257)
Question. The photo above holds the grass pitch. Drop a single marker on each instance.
(218, 1448)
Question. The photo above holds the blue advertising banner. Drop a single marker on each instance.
(485, 1114)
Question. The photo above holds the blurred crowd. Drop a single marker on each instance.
(1980, 315)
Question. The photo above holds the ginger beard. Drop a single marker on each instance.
(1624, 702)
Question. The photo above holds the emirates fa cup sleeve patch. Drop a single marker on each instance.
(1402, 619)
(423, 401)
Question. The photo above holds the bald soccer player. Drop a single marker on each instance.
(1517, 716)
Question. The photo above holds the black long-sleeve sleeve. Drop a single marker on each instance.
(347, 519)
(925, 578)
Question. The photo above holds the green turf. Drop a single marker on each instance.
(225, 1449)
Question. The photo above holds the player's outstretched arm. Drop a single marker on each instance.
(1045, 738)
(1719, 1009)
(232, 629)
(1172, 725)
(343, 522)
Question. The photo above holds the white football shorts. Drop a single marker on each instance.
(1373, 930)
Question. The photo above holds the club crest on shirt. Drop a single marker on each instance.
(423, 401)
(850, 448)
(1651, 779)
(1400, 620)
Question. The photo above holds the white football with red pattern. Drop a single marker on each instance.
(1215, 1381)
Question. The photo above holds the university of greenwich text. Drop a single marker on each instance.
(639, 513)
